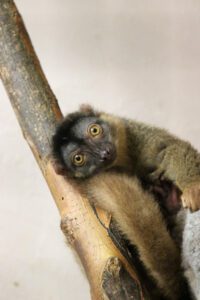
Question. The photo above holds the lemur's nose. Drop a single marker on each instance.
(106, 154)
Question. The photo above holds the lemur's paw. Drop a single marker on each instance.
(191, 196)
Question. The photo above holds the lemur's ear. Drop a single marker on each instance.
(86, 108)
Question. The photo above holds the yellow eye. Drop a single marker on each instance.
(95, 130)
(78, 160)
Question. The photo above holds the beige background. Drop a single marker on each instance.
(135, 58)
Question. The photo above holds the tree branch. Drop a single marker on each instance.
(108, 271)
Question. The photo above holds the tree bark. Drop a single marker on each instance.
(110, 274)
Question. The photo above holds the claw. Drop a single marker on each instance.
(183, 202)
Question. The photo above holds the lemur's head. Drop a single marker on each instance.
(84, 143)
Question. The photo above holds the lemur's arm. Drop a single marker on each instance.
(173, 159)
(181, 164)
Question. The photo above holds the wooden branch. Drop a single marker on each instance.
(110, 275)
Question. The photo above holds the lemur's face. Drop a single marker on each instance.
(87, 146)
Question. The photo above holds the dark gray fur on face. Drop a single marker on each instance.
(72, 138)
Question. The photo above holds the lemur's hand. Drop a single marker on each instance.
(191, 196)
(59, 169)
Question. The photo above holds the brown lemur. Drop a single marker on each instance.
(114, 159)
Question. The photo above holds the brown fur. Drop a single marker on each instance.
(151, 154)
(140, 220)
(141, 147)
(120, 140)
